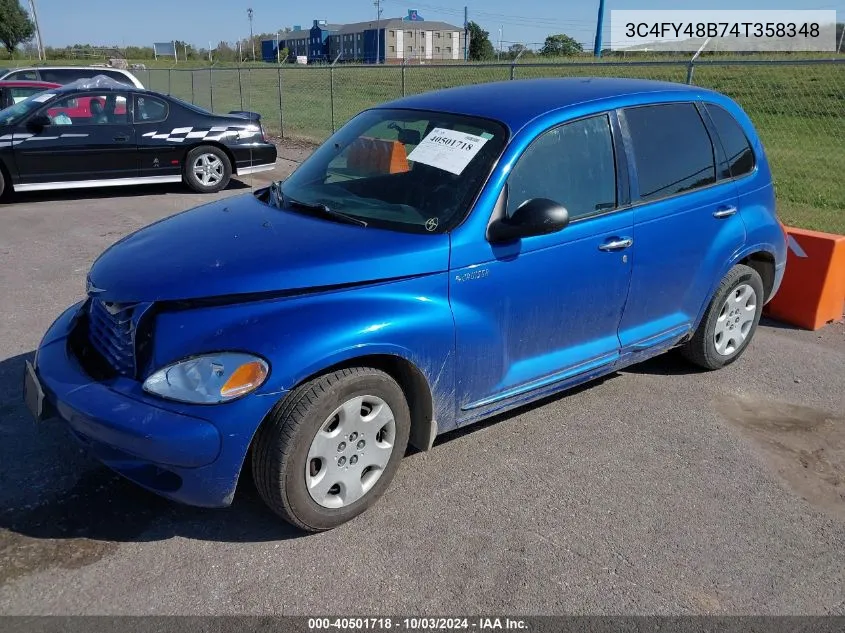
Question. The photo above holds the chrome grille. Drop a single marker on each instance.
(111, 333)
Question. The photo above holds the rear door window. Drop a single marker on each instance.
(67, 75)
(739, 157)
(673, 152)
(63, 75)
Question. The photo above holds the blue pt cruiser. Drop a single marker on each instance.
(439, 259)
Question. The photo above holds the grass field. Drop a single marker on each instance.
(797, 104)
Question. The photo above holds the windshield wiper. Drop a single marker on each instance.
(325, 210)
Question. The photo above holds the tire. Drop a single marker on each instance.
(730, 321)
(2, 183)
(217, 166)
(306, 458)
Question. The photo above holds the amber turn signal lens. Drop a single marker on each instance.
(244, 379)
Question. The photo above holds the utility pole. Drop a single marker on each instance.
(40, 42)
(466, 33)
(249, 13)
(599, 25)
(378, 30)
(841, 37)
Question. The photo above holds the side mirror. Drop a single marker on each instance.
(39, 121)
(538, 216)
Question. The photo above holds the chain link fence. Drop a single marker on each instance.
(798, 106)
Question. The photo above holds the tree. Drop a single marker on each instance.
(560, 45)
(15, 25)
(480, 47)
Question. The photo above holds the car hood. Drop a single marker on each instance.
(242, 246)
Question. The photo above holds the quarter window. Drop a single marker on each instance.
(572, 164)
(672, 149)
(149, 109)
(739, 157)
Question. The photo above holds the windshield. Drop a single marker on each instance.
(408, 170)
(19, 110)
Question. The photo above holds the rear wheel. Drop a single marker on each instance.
(207, 169)
(730, 321)
(331, 448)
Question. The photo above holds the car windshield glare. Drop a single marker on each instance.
(408, 170)
(21, 109)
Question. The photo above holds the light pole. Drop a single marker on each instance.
(378, 30)
(249, 13)
(499, 54)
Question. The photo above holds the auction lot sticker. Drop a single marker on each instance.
(447, 150)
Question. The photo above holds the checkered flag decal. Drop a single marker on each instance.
(179, 134)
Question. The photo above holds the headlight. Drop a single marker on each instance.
(209, 379)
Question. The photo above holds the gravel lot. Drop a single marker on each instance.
(656, 490)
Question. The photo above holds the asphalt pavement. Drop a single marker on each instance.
(658, 490)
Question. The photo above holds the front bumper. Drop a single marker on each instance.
(192, 454)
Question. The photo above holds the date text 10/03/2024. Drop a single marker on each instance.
(416, 624)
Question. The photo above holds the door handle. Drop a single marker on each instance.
(616, 244)
(121, 139)
(724, 212)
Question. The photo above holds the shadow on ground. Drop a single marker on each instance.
(66, 195)
(61, 508)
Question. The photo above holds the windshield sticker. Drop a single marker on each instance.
(447, 150)
(44, 97)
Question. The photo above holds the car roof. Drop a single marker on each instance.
(106, 68)
(26, 83)
(517, 102)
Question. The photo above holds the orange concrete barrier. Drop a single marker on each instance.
(377, 156)
(812, 293)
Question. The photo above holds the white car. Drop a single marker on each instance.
(67, 74)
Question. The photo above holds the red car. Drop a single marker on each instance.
(13, 91)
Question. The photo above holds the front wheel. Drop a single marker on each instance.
(207, 169)
(730, 321)
(330, 449)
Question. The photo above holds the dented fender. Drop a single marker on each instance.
(302, 336)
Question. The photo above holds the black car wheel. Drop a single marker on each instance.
(207, 169)
(2, 183)
(329, 450)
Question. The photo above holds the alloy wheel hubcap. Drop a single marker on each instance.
(208, 169)
(350, 451)
(735, 319)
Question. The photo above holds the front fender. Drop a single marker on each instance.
(301, 336)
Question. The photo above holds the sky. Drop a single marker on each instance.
(198, 22)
